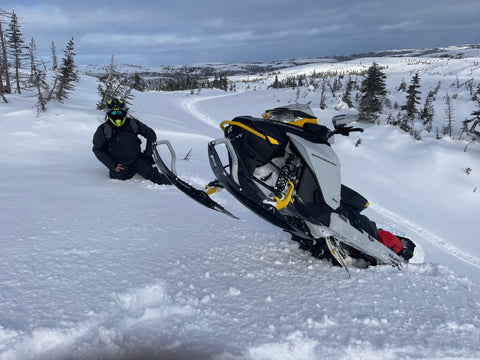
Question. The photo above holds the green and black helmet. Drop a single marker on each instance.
(116, 111)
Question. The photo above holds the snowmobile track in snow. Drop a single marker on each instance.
(190, 106)
(427, 235)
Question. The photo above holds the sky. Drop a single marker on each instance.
(179, 32)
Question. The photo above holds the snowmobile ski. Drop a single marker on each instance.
(199, 195)
(338, 253)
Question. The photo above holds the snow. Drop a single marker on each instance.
(94, 268)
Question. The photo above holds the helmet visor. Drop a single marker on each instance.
(117, 117)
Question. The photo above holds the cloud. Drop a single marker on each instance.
(127, 40)
(237, 36)
(404, 25)
(186, 31)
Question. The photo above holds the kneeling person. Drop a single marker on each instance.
(117, 145)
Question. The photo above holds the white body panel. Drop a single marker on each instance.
(324, 163)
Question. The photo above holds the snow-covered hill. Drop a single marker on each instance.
(94, 268)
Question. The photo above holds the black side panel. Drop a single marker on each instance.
(309, 200)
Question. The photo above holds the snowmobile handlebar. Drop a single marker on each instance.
(346, 130)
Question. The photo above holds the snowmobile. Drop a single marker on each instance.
(282, 167)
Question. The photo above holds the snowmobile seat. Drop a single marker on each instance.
(352, 198)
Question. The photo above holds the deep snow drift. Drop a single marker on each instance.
(97, 268)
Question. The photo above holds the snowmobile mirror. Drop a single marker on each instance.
(342, 120)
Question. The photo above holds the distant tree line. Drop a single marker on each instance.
(311, 79)
(180, 82)
(412, 116)
(366, 91)
(113, 83)
(20, 68)
(165, 82)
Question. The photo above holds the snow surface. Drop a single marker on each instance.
(93, 268)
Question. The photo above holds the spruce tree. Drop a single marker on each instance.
(16, 47)
(472, 125)
(32, 57)
(348, 93)
(411, 106)
(323, 105)
(54, 56)
(373, 90)
(110, 86)
(3, 70)
(42, 89)
(447, 130)
(428, 111)
(67, 73)
(276, 83)
(138, 83)
(7, 89)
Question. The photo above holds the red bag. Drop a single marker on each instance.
(390, 240)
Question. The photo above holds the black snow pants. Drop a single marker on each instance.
(142, 167)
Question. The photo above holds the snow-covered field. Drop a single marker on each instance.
(93, 268)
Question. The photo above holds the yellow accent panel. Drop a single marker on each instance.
(367, 204)
(210, 190)
(272, 140)
(249, 129)
(287, 199)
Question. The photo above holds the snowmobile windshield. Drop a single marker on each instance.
(294, 114)
(278, 115)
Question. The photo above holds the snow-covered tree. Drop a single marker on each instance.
(110, 86)
(32, 49)
(413, 99)
(42, 88)
(323, 105)
(428, 111)
(373, 89)
(16, 47)
(54, 56)
(347, 95)
(472, 125)
(4, 89)
(3, 67)
(447, 130)
(67, 73)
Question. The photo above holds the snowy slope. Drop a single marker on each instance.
(97, 268)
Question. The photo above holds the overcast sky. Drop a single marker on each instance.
(161, 32)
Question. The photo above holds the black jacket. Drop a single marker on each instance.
(121, 145)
